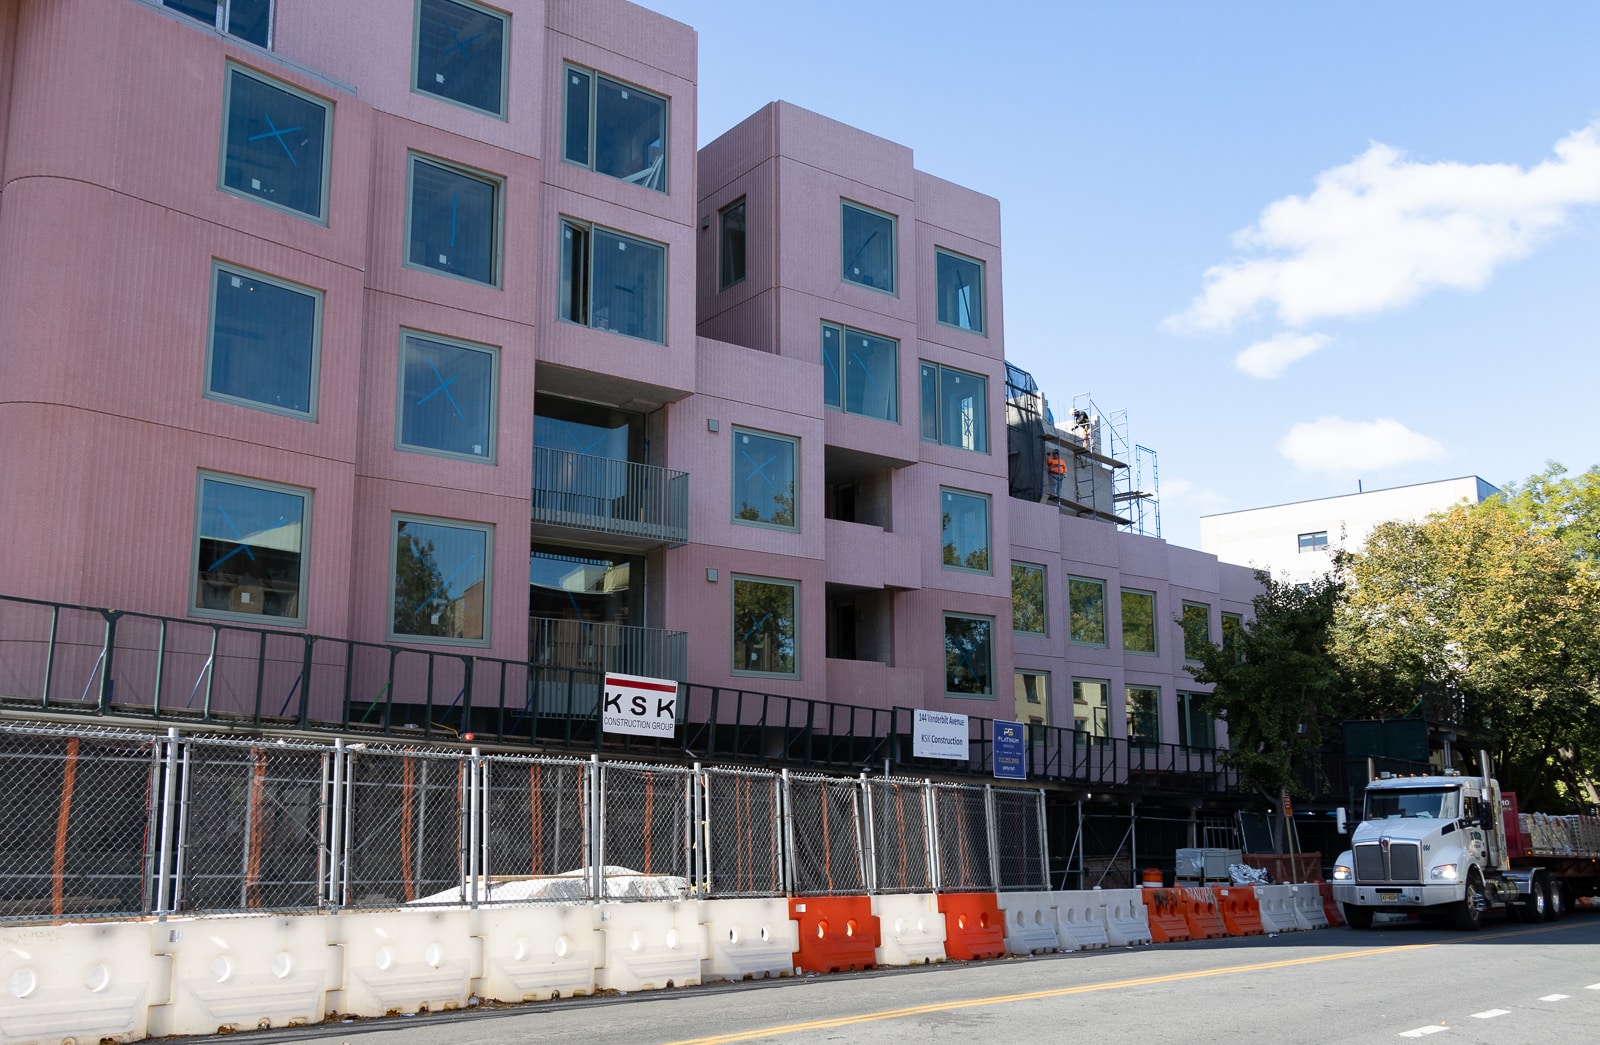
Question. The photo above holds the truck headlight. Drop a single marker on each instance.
(1444, 872)
(1341, 873)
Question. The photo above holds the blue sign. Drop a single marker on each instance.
(1010, 751)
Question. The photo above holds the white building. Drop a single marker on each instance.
(1294, 541)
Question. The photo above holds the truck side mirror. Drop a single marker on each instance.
(1341, 821)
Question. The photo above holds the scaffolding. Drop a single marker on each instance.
(1137, 506)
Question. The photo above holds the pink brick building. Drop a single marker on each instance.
(424, 324)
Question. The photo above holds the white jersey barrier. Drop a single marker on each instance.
(535, 953)
(244, 972)
(748, 939)
(404, 961)
(1277, 908)
(649, 946)
(1308, 910)
(1080, 922)
(82, 982)
(911, 928)
(1127, 918)
(1030, 922)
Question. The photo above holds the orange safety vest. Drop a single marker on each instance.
(1056, 464)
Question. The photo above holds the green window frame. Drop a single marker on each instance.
(248, 20)
(615, 128)
(1029, 605)
(459, 54)
(968, 655)
(613, 281)
(860, 372)
(964, 531)
(1091, 709)
(955, 408)
(1086, 601)
(1196, 625)
(449, 392)
(1143, 706)
(1232, 628)
(440, 580)
(766, 627)
(958, 289)
(766, 479)
(1197, 729)
(1139, 631)
(867, 247)
(731, 244)
(265, 342)
(251, 540)
(275, 144)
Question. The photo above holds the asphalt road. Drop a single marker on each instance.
(1507, 984)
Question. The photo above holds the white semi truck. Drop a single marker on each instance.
(1453, 846)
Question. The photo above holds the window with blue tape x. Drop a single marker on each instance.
(461, 54)
(250, 541)
(447, 397)
(275, 144)
(764, 479)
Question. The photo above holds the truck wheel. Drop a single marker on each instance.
(1536, 908)
(1358, 917)
(1555, 907)
(1469, 912)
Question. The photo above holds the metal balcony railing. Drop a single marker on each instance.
(601, 647)
(621, 498)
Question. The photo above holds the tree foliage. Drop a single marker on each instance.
(1275, 685)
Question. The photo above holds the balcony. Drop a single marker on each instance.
(599, 647)
(638, 506)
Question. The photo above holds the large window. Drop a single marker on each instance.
(959, 291)
(968, 655)
(454, 221)
(275, 143)
(955, 407)
(964, 530)
(265, 336)
(250, 549)
(440, 580)
(730, 222)
(1138, 621)
(860, 372)
(615, 128)
(866, 239)
(447, 397)
(1086, 600)
(1196, 623)
(249, 20)
(461, 54)
(614, 282)
(764, 479)
(1144, 716)
(1091, 711)
(766, 627)
(1027, 598)
(1197, 729)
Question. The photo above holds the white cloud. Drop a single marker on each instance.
(1335, 446)
(1383, 230)
(1270, 358)
(1185, 492)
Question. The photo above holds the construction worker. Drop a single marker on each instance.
(1058, 471)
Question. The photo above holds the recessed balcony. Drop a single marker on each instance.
(637, 506)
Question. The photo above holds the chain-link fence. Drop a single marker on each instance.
(116, 824)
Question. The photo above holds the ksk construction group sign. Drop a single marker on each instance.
(641, 706)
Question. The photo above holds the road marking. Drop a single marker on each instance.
(1489, 1014)
(1423, 1032)
(1593, 987)
(1057, 992)
(1554, 997)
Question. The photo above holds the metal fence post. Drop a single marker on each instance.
(994, 837)
(931, 811)
(700, 831)
(786, 818)
(336, 825)
(1044, 842)
(597, 833)
(475, 832)
(169, 793)
(869, 860)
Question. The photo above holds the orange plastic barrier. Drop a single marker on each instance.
(1330, 906)
(973, 925)
(837, 933)
(1240, 910)
(1200, 911)
(1166, 907)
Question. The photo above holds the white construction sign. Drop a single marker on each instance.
(939, 734)
(641, 706)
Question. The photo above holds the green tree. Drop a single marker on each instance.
(1276, 685)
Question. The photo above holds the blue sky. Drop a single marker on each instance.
(1303, 245)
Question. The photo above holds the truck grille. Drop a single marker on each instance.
(1404, 863)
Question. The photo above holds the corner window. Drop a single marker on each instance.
(250, 549)
(765, 627)
(440, 579)
(460, 54)
(447, 397)
(614, 282)
(1197, 730)
(860, 372)
(968, 656)
(1310, 542)
(955, 408)
(275, 142)
(730, 223)
(1086, 599)
(1027, 598)
(1138, 621)
(1144, 716)
(867, 246)
(764, 479)
(615, 128)
(1196, 623)
(249, 20)
(265, 337)
(454, 221)
(1091, 712)
(959, 290)
(964, 530)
